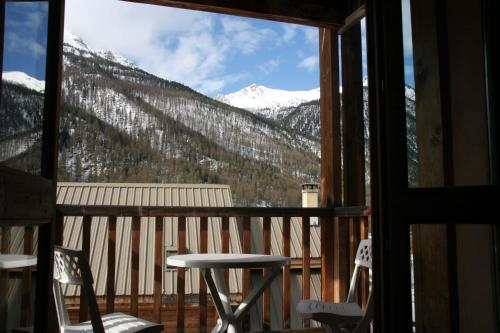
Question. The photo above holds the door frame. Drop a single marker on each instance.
(395, 206)
(27, 199)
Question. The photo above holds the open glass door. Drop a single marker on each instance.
(30, 61)
(435, 170)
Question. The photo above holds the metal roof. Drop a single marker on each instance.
(195, 195)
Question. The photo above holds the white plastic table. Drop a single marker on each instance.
(230, 320)
(8, 261)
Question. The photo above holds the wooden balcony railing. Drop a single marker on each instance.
(351, 225)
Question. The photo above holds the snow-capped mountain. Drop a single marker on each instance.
(23, 79)
(75, 44)
(266, 101)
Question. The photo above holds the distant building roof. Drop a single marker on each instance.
(125, 194)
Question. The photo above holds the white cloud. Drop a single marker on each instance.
(186, 46)
(309, 63)
(269, 66)
(407, 37)
(311, 35)
(23, 28)
(289, 32)
(16, 43)
(243, 36)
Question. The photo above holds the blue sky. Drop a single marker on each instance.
(25, 37)
(212, 53)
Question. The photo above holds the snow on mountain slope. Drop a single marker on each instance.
(75, 44)
(267, 101)
(25, 80)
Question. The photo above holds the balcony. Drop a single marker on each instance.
(127, 235)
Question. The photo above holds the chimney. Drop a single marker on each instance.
(310, 199)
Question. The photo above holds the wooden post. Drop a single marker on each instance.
(353, 153)
(330, 181)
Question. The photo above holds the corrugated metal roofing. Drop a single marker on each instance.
(195, 195)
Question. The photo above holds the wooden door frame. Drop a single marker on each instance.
(394, 205)
(30, 199)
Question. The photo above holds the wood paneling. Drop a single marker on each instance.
(308, 12)
(18, 191)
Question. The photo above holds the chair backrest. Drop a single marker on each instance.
(71, 267)
(363, 259)
(364, 254)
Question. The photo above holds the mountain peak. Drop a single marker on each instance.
(75, 44)
(267, 101)
(24, 80)
(75, 41)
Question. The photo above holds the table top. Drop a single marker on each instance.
(227, 260)
(8, 261)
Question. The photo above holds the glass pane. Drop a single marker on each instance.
(446, 101)
(23, 85)
(17, 277)
(453, 278)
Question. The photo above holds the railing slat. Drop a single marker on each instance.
(158, 269)
(246, 248)
(266, 229)
(203, 286)
(181, 249)
(341, 256)
(86, 225)
(26, 288)
(364, 278)
(286, 273)
(134, 279)
(225, 245)
(4, 280)
(110, 280)
(306, 262)
(327, 259)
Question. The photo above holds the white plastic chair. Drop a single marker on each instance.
(348, 316)
(71, 267)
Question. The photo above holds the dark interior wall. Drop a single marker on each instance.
(475, 272)
(467, 92)
(475, 256)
